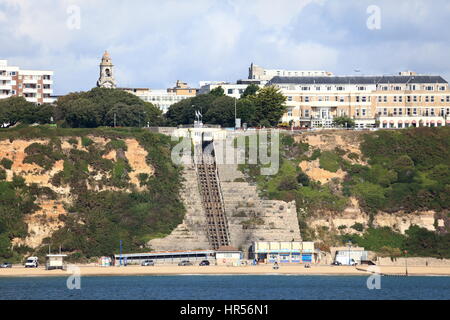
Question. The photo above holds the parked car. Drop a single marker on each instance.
(148, 263)
(185, 263)
(336, 263)
(32, 262)
(204, 263)
(6, 265)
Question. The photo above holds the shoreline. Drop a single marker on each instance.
(297, 270)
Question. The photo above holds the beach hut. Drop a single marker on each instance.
(228, 256)
(55, 261)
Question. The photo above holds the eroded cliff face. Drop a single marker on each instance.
(349, 143)
(44, 221)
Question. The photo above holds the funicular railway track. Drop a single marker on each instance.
(217, 226)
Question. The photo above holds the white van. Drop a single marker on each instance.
(32, 262)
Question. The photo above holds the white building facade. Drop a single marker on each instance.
(230, 89)
(159, 98)
(371, 101)
(34, 85)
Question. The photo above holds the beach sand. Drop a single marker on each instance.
(224, 270)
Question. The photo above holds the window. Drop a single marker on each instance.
(395, 98)
(290, 98)
(429, 88)
(415, 98)
(408, 99)
(357, 99)
(306, 113)
(395, 111)
(364, 112)
(380, 99)
(385, 99)
(400, 99)
(442, 88)
(361, 88)
(340, 88)
(432, 98)
(306, 99)
(230, 91)
(364, 99)
(427, 99)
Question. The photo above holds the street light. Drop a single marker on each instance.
(349, 247)
(406, 262)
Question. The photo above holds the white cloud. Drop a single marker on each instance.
(153, 43)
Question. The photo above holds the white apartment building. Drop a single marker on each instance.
(256, 72)
(34, 85)
(230, 89)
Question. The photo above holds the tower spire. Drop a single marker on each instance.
(106, 79)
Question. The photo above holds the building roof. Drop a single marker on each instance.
(359, 80)
(227, 248)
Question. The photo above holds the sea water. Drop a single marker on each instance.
(250, 287)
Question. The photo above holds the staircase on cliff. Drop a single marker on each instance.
(213, 203)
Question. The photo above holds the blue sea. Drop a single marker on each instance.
(226, 288)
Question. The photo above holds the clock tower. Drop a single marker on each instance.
(106, 79)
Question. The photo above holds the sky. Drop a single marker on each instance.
(153, 43)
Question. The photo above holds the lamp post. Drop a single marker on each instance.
(349, 247)
(406, 262)
(120, 259)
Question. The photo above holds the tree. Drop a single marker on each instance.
(12, 110)
(251, 90)
(269, 106)
(404, 166)
(183, 112)
(217, 92)
(97, 107)
(221, 112)
(344, 122)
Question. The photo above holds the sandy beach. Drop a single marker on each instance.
(224, 270)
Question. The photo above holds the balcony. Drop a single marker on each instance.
(30, 81)
(30, 90)
(47, 91)
(33, 99)
(48, 100)
(5, 87)
(47, 81)
(5, 78)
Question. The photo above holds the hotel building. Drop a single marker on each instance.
(404, 100)
(34, 85)
(164, 98)
(258, 73)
